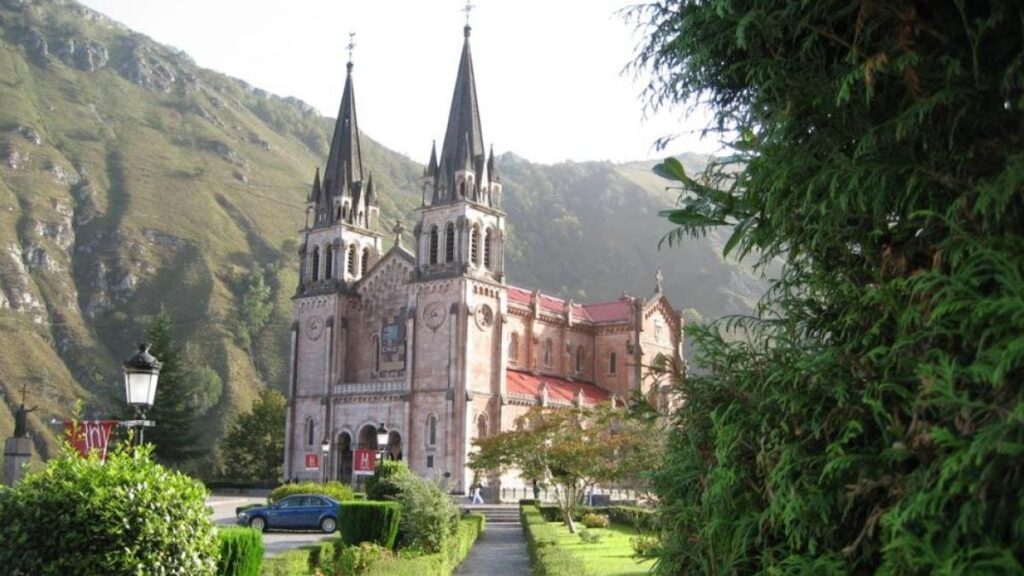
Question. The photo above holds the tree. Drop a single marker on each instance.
(574, 449)
(254, 446)
(870, 420)
(173, 436)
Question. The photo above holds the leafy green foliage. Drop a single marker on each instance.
(546, 557)
(254, 446)
(336, 490)
(429, 517)
(126, 516)
(370, 521)
(241, 551)
(593, 520)
(383, 485)
(358, 558)
(870, 419)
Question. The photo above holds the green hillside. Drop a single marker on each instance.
(130, 178)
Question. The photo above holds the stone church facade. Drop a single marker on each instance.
(429, 339)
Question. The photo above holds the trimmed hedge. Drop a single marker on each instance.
(241, 552)
(336, 490)
(309, 559)
(546, 557)
(369, 521)
(641, 519)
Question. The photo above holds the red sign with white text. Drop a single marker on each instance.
(89, 435)
(364, 462)
(312, 461)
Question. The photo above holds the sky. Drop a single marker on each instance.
(549, 73)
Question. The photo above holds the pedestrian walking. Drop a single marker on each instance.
(477, 498)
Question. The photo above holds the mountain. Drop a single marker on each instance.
(131, 178)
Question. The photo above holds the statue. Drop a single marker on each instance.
(21, 421)
(21, 416)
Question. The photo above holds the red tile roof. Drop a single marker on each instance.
(614, 311)
(559, 389)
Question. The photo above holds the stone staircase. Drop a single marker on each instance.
(496, 513)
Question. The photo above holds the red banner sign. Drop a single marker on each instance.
(312, 461)
(364, 462)
(90, 435)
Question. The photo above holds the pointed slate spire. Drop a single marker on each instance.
(371, 196)
(314, 194)
(492, 169)
(345, 161)
(431, 169)
(463, 138)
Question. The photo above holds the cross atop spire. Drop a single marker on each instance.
(350, 47)
(469, 8)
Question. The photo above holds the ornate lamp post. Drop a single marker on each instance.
(325, 451)
(382, 441)
(141, 372)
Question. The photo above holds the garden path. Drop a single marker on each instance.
(500, 550)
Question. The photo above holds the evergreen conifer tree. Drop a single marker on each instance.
(173, 436)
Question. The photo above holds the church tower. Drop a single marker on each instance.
(338, 246)
(459, 291)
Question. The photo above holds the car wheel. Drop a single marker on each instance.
(258, 523)
(328, 525)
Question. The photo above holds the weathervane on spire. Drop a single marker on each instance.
(469, 8)
(351, 46)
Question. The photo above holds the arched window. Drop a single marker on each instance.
(548, 352)
(376, 353)
(316, 263)
(449, 243)
(328, 262)
(431, 430)
(339, 213)
(474, 246)
(481, 426)
(462, 189)
(513, 348)
(365, 264)
(579, 359)
(350, 265)
(612, 363)
(310, 432)
(487, 249)
(433, 244)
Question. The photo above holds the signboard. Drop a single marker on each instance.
(392, 346)
(312, 461)
(364, 462)
(89, 435)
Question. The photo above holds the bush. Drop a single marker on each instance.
(335, 490)
(429, 517)
(590, 536)
(383, 484)
(640, 519)
(129, 515)
(241, 552)
(645, 545)
(419, 564)
(593, 520)
(376, 522)
(359, 559)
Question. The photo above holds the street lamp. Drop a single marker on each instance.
(141, 372)
(325, 451)
(382, 440)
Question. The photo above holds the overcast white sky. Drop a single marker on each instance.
(549, 72)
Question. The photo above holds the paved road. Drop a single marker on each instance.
(273, 542)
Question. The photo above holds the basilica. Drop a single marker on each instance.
(429, 340)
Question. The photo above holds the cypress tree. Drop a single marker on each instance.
(173, 436)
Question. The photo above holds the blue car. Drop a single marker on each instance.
(299, 512)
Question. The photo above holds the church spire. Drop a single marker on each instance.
(345, 161)
(463, 138)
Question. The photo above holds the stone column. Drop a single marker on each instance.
(17, 453)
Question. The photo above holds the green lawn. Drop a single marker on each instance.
(612, 556)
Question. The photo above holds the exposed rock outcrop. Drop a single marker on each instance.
(15, 159)
(36, 45)
(16, 284)
(30, 134)
(146, 69)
